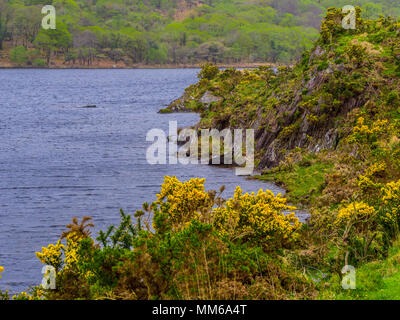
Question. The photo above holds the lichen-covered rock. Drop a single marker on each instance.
(178, 106)
(208, 98)
(187, 103)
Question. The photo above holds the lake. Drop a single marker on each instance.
(58, 160)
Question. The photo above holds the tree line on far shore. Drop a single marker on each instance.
(167, 31)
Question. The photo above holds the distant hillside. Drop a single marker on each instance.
(149, 32)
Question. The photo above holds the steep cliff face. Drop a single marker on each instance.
(308, 117)
(308, 106)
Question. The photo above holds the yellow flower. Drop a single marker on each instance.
(22, 296)
(260, 217)
(377, 167)
(71, 252)
(364, 130)
(52, 255)
(182, 201)
(391, 200)
(355, 211)
(1, 270)
(365, 182)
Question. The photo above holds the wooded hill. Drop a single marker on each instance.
(167, 31)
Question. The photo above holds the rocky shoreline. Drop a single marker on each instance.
(6, 64)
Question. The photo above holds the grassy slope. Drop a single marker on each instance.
(304, 182)
(377, 280)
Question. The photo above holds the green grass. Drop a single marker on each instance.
(303, 182)
(378, 280)
(391, 69)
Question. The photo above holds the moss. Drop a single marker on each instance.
(166, 110)
(323, 65)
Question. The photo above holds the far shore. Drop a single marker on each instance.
(8, 65)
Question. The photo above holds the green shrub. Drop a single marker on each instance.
(392, 98)
(208, 71)
(19, 55)
(39, 63)
(323, 65)
(187, 253)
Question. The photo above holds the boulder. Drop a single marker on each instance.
(208, 98)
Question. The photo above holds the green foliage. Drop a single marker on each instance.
(329, 128)
(185, 257)
(4, 295)
(19, 55)
(51, 40)
(39, 63)
(304, 180)
(187, 32)
(165, 110)
(208, 71)
(378, 280)
(393, 98)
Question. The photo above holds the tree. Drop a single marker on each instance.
(25, 25)
(19, 55)
(170, 31)
(5, 14)
(50, 41)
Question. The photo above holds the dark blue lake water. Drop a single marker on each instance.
(58, 161)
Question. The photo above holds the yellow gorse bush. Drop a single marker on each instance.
(259, 217)
(183, 201)
(35, 293)
(366, 181)
(361, 127)
(71, 251)
(354, 212)
(22, 296)
(52, 255)
(364, 131)
(391, 200)
(377, 167)
(391, 193)
(376, 127)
